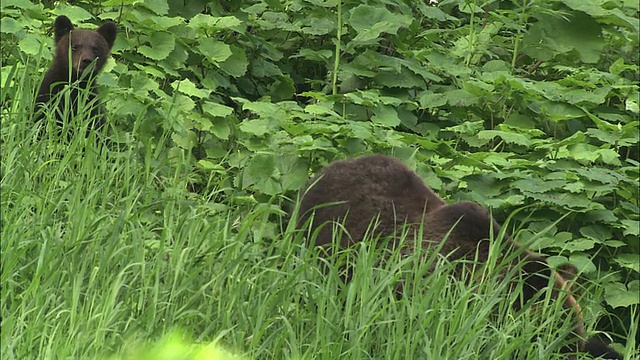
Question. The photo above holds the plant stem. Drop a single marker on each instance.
(336, 62)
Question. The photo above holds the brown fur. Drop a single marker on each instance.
(381, 188)
(89, 51)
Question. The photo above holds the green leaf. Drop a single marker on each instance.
(629, 261)
(618, 295)
(74, 13)
(282, 88)
(318, 26)
(552, 36)
(294, 171)
(369, 22)
(236, 64)
(215, 51)
(598, 233)
(259, 172)
(186, 141)
(257, 127)
(207, 24)
(386, 116)
(462, 98)
(609, 15)
(162, 44)
(508, 137)
(20, 4)
(215, 109)
(30, 45)
(187, 87)
(159, 7)
(631, 227)
(10, 26)
(581, 244)
(583, 263)
(536, 185)
(429, 100)
(210, 166)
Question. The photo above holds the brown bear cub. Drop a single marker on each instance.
(381, 190)
(79, 57)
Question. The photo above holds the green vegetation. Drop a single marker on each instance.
(176, 215)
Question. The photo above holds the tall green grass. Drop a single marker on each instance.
(104, 248)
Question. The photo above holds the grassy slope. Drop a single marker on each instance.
(101, 248)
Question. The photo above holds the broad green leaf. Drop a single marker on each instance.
(608, 15)
(556, 111)
(215, 51)
(75, 13)
(631, 227)
(259, 172)
(597, 233)
(510, 138)
(318, 26)
(160, 7)
(294, 171)
(257, 127)
(462, 98)
(208, 24)
(161, 45)
(30, 45)
(189, 88)
(260, 166)
(210, 166)
(215, 109)
(386, 116)
(429, 100)
(583, 263)
(578, 245)
(20, 4)
(315, 55)
(282, 88)
(220, 128)
(584, 152)
(369, 22)
(609, 156)
(536, 185)
(631, 104)
(10, 26)
(262, 108)
(618, 295)
(184, 103)
(552, 36)
(236, 64)
(186, 141)
(467, 128)
(629, 261)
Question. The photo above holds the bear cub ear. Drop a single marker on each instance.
(62, 26)
(108, 30)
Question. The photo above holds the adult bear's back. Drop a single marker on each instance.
(355, 191)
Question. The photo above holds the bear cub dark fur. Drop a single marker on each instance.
(356, 192)
(78, 69)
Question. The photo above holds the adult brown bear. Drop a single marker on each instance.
(79, 56)
(381, 189)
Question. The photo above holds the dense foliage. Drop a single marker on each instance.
(529, 105)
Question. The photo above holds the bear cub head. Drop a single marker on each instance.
(79, 56)
(89, 48)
